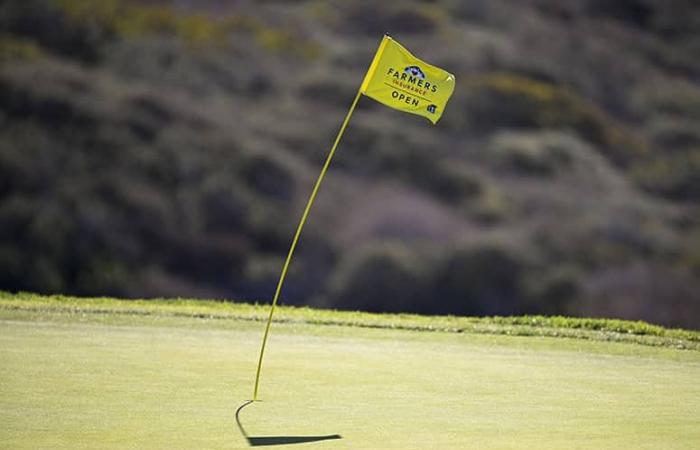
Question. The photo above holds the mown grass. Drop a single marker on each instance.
(103, 373)
(552, 326)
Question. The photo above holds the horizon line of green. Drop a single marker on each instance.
(617, 330)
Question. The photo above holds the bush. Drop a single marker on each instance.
(676, 175)
(534, 154)
(329, 92)
(640, 291)
(636, 12)
(669, 135)
(372, 21)
(452, 181)
(386, 278)
(12, 48)
(680, 99)
(44, 23)
(269, 176)
(171, 64)
(491, 206)
(691, 257)
(499, 101)
(480, 280)
(553, 290)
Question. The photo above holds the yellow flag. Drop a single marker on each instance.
(400, 80)
(397, 79)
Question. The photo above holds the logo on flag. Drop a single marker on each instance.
(415, 71)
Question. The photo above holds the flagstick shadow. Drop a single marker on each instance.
(257, 441)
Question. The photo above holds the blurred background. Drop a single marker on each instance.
(167, 148)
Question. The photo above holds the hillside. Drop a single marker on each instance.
(152, 149)
(107, 373)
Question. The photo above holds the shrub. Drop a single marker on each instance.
(386, 278)
(501, 100)
(636, 12)
(485, 279)
(676, 176)
(269, 176)
(224, 205)
(373, 21)
(453, 182)
(131, 20)
(259, 278)
(491, 206)
(553, 290)
(680, 99)
(12, 48)
(673, 134)
(691, 257)
(328, 91)
(535, 154)
(49, 27)
(642, 291)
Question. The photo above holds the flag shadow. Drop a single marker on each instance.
(258, 441)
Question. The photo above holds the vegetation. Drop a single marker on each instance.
(227, 313)
(13, 49)
(104, 373)
(164, 149)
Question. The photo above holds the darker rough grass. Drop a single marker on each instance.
(552, 326)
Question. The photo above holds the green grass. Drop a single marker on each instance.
(103, 373)
(554, 326)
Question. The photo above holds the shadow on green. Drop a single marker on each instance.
(255, 441)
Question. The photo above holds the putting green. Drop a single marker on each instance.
(110, 381)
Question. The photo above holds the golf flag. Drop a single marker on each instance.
(400, 80)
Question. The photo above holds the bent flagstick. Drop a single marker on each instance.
(309, 203)
(399, 80)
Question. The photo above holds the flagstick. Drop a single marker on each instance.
(296, 238)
